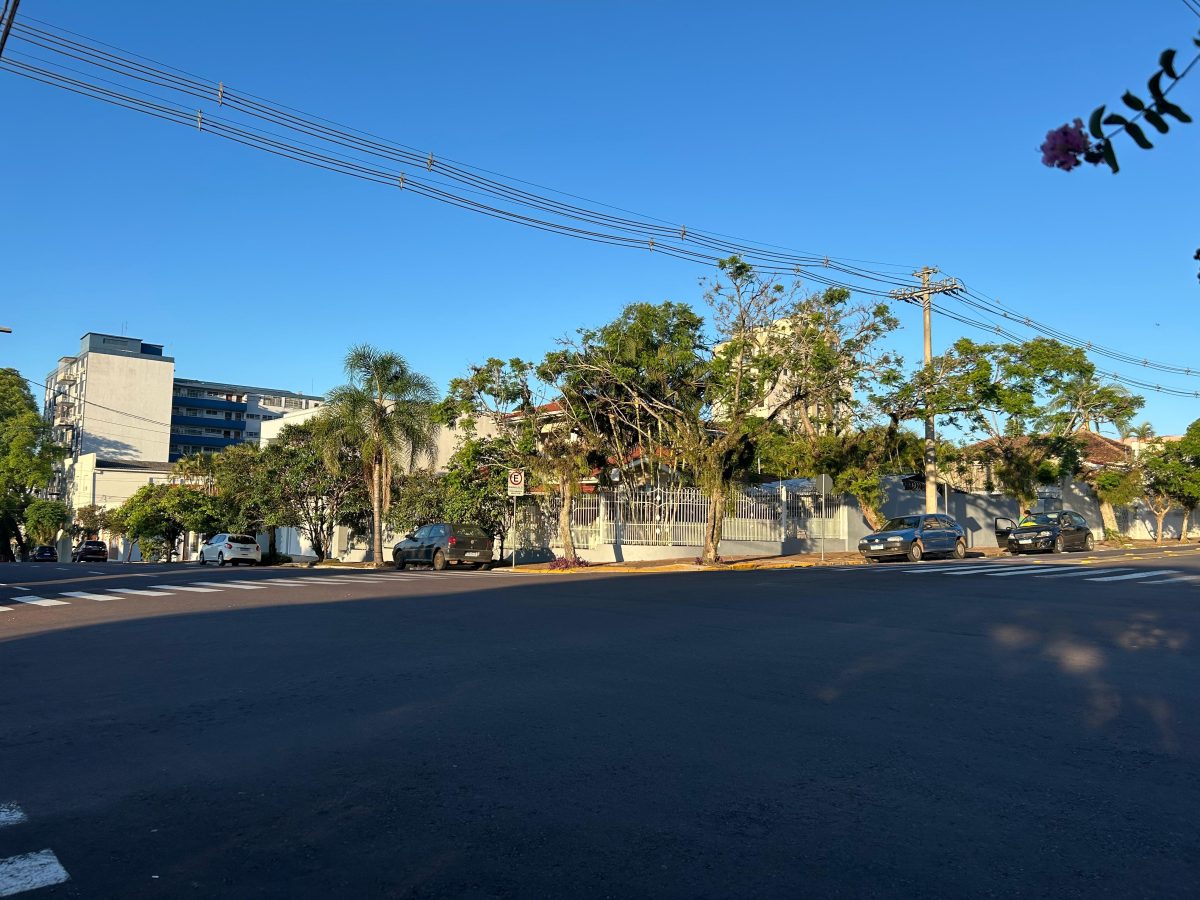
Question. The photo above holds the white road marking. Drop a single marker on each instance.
(230, 584)
(19, 588)
(11, 814)
(84, 595)
(307, 580)
(6, 609)
(182, 587)
(1137, 575)
(90, 572)
(964, 570)
(284, 582)
(138, 592)
(1172, 580)
(29, 872)
(1015, 570)
(40, 601)
(1083, 571)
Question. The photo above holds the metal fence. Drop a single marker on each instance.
(676, 517)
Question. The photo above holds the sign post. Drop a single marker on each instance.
(824, 484)
(516, 488)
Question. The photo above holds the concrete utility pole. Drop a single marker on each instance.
(7, 17)
(924, 295)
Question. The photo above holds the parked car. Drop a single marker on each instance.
(1054, 532)
(914, 538)
(231, 548)
(43, 554)
(90, 551)
(443, 543)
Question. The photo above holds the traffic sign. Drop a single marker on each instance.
(516, 482)
(823, 485)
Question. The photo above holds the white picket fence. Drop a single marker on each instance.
(676, 517)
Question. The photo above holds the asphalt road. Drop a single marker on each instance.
(995, 727)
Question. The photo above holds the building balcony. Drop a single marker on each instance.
(206, 403)
(208, 422)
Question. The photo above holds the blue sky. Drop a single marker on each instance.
(904, 133)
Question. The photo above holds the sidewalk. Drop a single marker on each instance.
(729, 564)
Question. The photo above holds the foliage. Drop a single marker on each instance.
(27, 457)
(313, 488)
(44, 518)
(157, 515)
(385, 414)
(568, 562)
(1118, 487)
(90, 520)
(475, 487)
(418, 498)
(1170, 479)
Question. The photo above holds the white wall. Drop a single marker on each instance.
(128, 386)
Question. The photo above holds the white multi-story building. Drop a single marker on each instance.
(210, 415)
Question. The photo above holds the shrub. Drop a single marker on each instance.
(572, 562)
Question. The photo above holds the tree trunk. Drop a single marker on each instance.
(1108, 516)
(712, 528)
(272, 544)
(1183, 527)
(1160, 516)
(377, 515)
(565, 496)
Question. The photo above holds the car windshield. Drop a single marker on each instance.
(1035, 519)
(241, 539)
(901, 523)
(469, 531)
(94, 545)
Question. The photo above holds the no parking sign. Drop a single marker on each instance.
(516, 482)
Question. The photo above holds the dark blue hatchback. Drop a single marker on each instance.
(915, 537)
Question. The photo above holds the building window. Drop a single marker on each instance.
(293, 403)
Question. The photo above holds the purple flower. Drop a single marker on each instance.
(1065, 145)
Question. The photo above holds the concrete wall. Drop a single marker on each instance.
(87, 482)
(129, 386)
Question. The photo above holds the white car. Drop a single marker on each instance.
(232, 549)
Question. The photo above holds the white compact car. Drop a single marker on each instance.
(232, 549)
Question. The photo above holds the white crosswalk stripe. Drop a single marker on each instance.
(1083, 572)
(1006, 571)
(6, 609)
(11, 814)
(1136, 575)
(1174, 580)
(41, 601)
(30, 871)
(218, 585)
(184, 587)
(84, 595)
(966, 570)
(138, 592)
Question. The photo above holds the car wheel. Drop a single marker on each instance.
(1089, 542)
(399, 561)
(1057, 546)
(915, 552)
(203, 561)
(439, 560)
(960, 549)
(871, 560)
(220, 559)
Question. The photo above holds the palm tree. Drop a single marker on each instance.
(386, 414)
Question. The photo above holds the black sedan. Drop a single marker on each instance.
(442, 544)
(914, 538)
(43, 553)
(1054, 532)
(90, 551)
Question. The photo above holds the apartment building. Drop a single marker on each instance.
(208, 415)
(126, 418)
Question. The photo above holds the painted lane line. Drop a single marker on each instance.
(284, 582)
(1085, 571)
(1016, 570)
(40, 601)
(11, 814)
(230, 584)
(966, 570)
(19, 588)
(29, 872)
(1173, 580)
(319, 581)
(1137, 575)
(84, 595)
(90, 572)
(6, 609)
(182, 587)
(138, 592)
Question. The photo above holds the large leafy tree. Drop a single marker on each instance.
(311, 488)
(44, 518)
(157, 515)
(1026, 401)
(89, 520)
(27, 457)
(1170, 480)
(385, 413)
